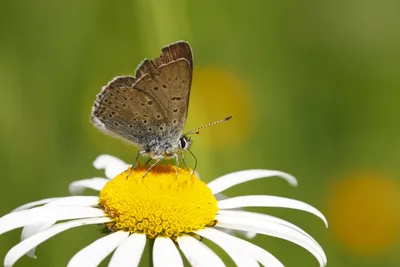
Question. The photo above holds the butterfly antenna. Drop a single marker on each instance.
(196, 130)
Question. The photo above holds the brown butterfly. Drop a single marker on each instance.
(150, 109)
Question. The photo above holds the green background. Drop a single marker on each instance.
(321, 79)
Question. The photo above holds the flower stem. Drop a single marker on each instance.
(151, 245)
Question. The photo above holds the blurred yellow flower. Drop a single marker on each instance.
(364, 214)
(217, 93)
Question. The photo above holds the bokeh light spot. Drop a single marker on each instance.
(218, 93)
(363, 212)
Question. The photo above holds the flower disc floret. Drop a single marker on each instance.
(161, 203)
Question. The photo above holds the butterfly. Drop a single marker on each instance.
(150, 108)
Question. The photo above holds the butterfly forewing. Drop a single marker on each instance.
(170, 88)
(154, 104)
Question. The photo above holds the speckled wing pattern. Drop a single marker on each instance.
(153, 105)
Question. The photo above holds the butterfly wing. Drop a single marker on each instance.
(168, 79)
(151, 106)
(125, 112)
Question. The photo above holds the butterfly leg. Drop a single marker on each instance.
(184, 161)
(195, 161)
(176, 163)
(158, 159)
(134, 163)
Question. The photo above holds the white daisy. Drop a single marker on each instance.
(170, 212)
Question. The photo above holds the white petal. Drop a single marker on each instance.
(35, 203)
(128, 254)
(96, 183)
(33, 229)
(165, 253)
(112, 165)
(269, 201)
(24, 246)
(198, 254)
(83, 201)
(272, 228)
(77, 201)
(253, 252)
(96, 252)
(249, 235)
(228, 180)
(264, 217)
(239, 255)
(42, 214)
(220, 196)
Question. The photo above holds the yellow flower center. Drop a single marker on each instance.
(160, 203)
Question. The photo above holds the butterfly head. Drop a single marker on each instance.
(185, 142)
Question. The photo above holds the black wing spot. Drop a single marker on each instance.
(142, 104)
(113, 112)
(116, 124)
(116, 106)
(161, 128)
(130, 126)
(176, 78)
(174, 121)
(109, 115)
(176, 98)
(164, 86)
(150, 102)
(116, 98)
(150, 129)
(124, 105)
(125, 98)
(155, 88)
(158, 116)
(175, 110)
(144, 121)
(145, 115)
(111, 94)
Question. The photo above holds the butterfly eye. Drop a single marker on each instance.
(182, 142)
